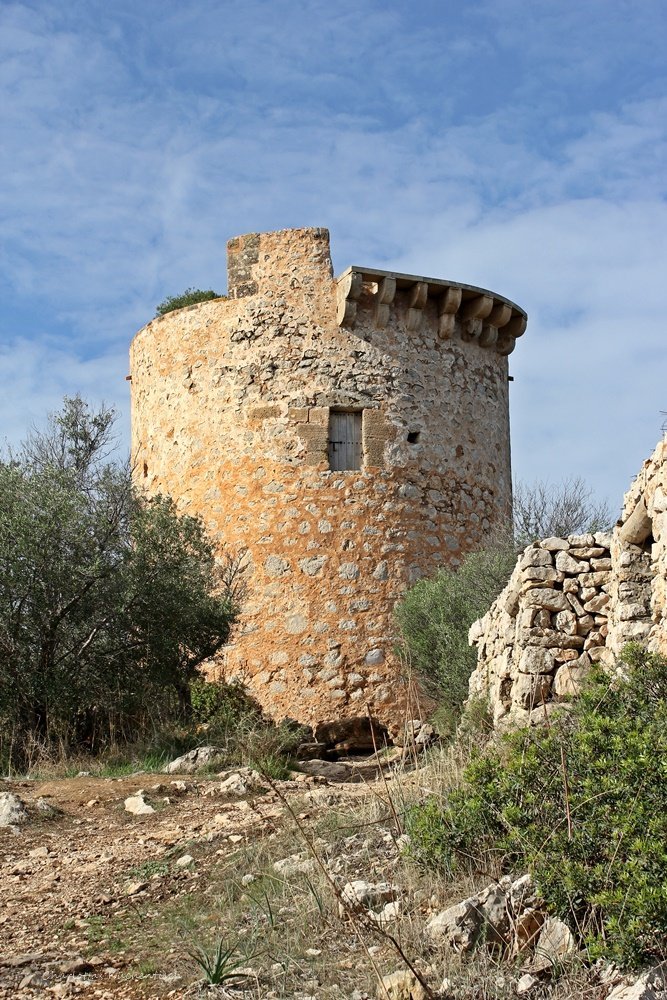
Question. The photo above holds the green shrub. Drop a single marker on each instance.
(189, 298)
(582, 805)
(435, 616)
(231, 718)
(219, 705)
(109, 600)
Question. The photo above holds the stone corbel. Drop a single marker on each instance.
(498, 317)
(347, 293)
(505, 343)
(416, 302)
(516, 326)
(472, 314)
(385, 296)
(448, 306)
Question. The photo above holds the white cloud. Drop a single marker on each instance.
(506, 153)
(37, 374)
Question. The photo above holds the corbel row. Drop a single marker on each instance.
(483, 319)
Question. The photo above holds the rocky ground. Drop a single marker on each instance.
(115, 887)
(98, 901)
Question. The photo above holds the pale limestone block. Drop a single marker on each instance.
(566, 655)
(596, 579)
(570, 678)
(553, 600)
(536, 660)
(531, 689)
(576, 605)
(580, 541)
(566, 564)
(600, 603)
(566, 622)
(540, 573)
(584, 624)
(535, 557)
(554, 544)
(588, 552)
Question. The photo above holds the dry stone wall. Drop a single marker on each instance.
(231, 415)
(574, 601)
(537, 642)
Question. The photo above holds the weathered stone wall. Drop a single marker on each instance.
(638, 610)
(538, 640)
(570, 602)
(231, 404)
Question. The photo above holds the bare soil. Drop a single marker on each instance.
(93, 902)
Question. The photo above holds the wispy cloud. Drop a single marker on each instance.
(517, 146)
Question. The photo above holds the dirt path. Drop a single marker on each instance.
(83, 886)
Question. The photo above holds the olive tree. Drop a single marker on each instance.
(107, 599)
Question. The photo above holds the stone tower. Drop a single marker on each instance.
(347, 435)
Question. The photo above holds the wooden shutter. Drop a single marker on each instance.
(344, 440)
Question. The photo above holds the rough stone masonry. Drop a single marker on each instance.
(574, 601)
(344, 437)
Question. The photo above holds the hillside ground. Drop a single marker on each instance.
(100, 903)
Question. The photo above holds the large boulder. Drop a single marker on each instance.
(459, 927)
(326, 769)
(193, 760)
(137, 805)
(651, 986)
(12, 810)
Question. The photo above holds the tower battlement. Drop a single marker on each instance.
(478, 315)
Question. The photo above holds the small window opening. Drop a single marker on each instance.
(344, 440)
(145, 469)
(413, 437)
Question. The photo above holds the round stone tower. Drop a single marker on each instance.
(345, 436)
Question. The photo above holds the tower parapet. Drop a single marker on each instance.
(478, 315)
(348, 436)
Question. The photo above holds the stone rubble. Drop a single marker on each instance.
(651, 986)
(537, 642)
(137, 805)
(508, 917)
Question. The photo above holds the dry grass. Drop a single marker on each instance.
(286, 926)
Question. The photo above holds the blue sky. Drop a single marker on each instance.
(512, 144)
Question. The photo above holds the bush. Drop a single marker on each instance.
(108, 601)
(582, 805)
(233, 720)
(435, 616)
(189, 298)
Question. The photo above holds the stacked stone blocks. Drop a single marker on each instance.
(573, 601)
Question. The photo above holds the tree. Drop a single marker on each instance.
(544, 510)
(107, 599)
